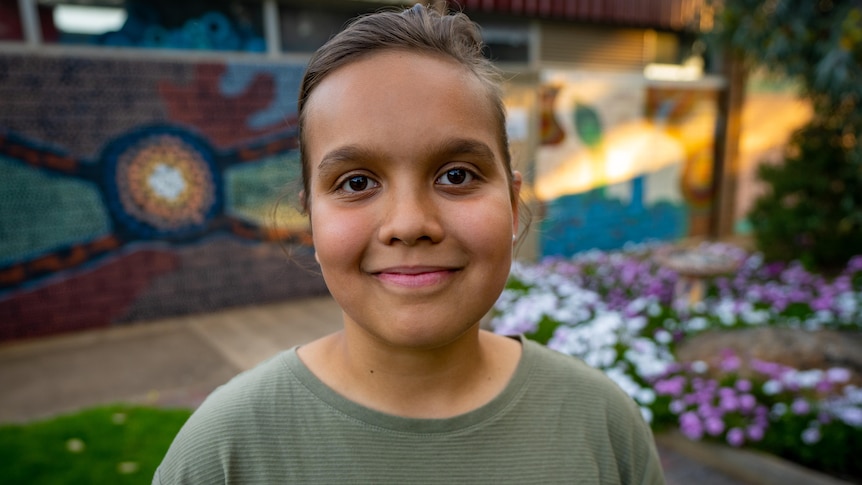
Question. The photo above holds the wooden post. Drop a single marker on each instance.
(726, 170)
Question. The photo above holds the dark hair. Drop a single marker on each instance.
(418, 29)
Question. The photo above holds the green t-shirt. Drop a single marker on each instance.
(557, 421)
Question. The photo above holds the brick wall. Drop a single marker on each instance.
(135, 188)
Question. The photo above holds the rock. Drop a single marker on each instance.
(796, 348)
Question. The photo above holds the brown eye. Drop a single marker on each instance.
(357, 183)
(455, 176)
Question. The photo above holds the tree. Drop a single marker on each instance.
(812, 209)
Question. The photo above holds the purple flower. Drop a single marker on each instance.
(842, 284)
(707, 410)
(821, 303)
(823, 386)
(747, 402)
(770, 369)
(800, 407)
(726, 392)
(729, 403)
(755, 432)
(730, 361)
(670, 387)
(743, 385)
(855, 264)
(690, 426)
(773, 269)
(735, 437)
(714, 426)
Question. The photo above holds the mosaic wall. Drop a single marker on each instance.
(622, 161)
(136, 189)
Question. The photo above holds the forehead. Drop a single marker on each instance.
(397, 93)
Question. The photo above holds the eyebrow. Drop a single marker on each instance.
(348, 153)
(450, 147)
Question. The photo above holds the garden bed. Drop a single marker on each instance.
(622, 312)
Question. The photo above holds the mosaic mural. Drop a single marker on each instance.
(622, 161)
(141, 189)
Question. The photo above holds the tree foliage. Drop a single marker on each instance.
(812, 209)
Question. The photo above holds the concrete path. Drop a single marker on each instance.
(177, 362)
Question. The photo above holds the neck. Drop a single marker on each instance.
(438, 382)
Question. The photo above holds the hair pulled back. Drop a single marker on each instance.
(419, 29)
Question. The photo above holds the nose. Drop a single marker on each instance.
(410, 217)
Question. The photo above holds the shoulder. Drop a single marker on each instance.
(236, 418)
(583, 386)
(591, 405)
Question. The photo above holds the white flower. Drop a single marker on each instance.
(724, 311)
(772, 387)
(755, 317)
(662, 336)
(628, 385)
(853, 394)
(778, 409)
(645, 396)
(851, 416)
(697, 324)
(601, 358)
(804, 379)
(847, 305)
(648, 359)
(811, 436)
(699, 366)
(646, 413)
(838, 375)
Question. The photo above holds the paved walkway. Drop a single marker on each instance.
(179, 361)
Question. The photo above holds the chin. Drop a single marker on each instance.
(424, 337)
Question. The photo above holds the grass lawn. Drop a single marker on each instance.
(115, 444)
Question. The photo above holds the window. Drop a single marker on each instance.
(305, 29)
(506, 42)
(223, 25)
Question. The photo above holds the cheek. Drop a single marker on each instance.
(489, 228)
(337, 237)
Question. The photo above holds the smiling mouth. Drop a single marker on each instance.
(415, 277)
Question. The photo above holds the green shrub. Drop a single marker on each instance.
(812, 209)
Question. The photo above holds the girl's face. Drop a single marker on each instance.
(409, 197)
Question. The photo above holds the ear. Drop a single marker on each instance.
(303, 201)
(517, 180)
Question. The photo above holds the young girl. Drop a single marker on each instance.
(414, 210)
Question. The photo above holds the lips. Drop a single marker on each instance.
(415, 276)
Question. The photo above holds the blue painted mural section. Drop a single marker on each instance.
(40, 211)
(238, 78)
(592, 220)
